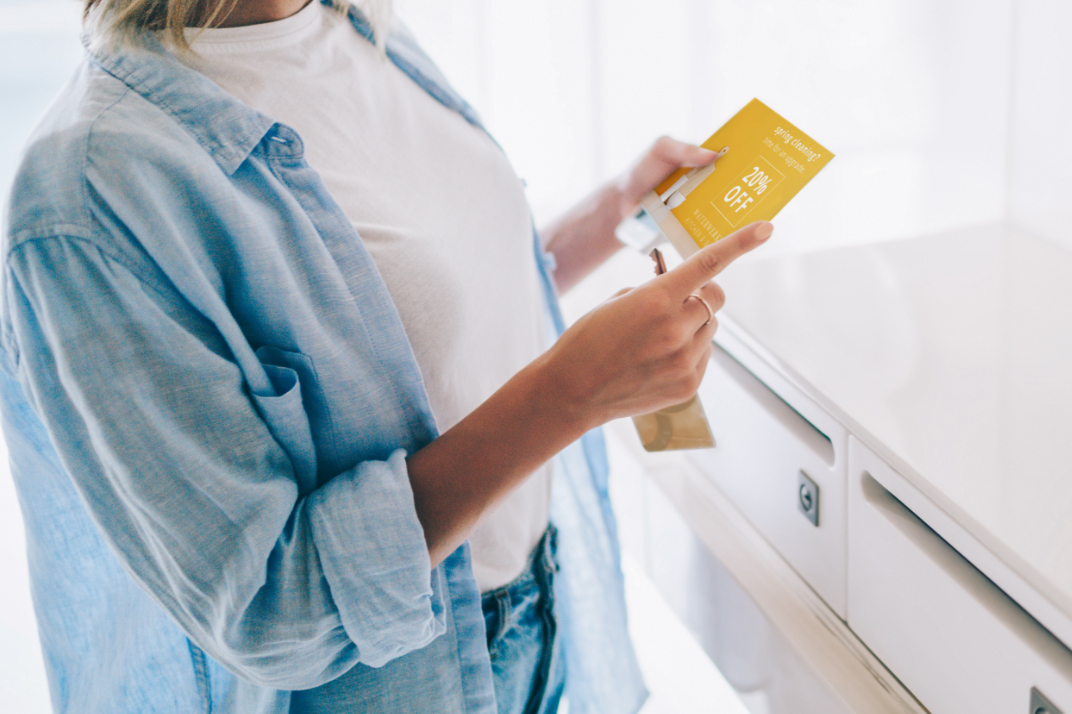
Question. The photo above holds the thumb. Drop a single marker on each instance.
(662, 159)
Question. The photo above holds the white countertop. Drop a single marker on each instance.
(952, 356)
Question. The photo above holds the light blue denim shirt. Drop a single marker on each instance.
(208, 398)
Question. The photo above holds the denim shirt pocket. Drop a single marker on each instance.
(288, 422)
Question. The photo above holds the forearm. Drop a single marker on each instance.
(583, 237)
(473, 465)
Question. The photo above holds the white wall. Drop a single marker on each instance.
(912, 96)
(1040, 156)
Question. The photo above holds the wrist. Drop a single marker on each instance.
(564, 403)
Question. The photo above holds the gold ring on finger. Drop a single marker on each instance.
(710, 312)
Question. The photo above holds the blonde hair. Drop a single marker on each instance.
(118, 21)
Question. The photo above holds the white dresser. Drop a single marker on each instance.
(885, 522)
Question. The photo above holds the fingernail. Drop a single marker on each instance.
(763, 231)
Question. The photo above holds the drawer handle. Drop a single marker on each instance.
(971, 580)
(779, 409)
(929, 543)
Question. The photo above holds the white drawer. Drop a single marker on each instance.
(946, 631)
(762, 446)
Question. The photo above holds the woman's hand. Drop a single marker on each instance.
(583, 238)
(664, 157)
(646, 348)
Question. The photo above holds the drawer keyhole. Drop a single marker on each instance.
(1040, 704)
(808, 498)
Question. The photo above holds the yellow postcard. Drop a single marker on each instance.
(764, 162)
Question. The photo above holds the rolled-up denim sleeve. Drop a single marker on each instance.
(153, 421)
(373, 506)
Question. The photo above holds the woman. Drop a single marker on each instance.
(273, 334)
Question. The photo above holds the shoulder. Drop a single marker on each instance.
(95, 140)
(102, 156)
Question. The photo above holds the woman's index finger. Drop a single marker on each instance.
(711, 260)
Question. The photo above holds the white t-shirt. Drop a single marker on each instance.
(439, 208)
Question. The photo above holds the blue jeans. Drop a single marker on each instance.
(526, 656)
